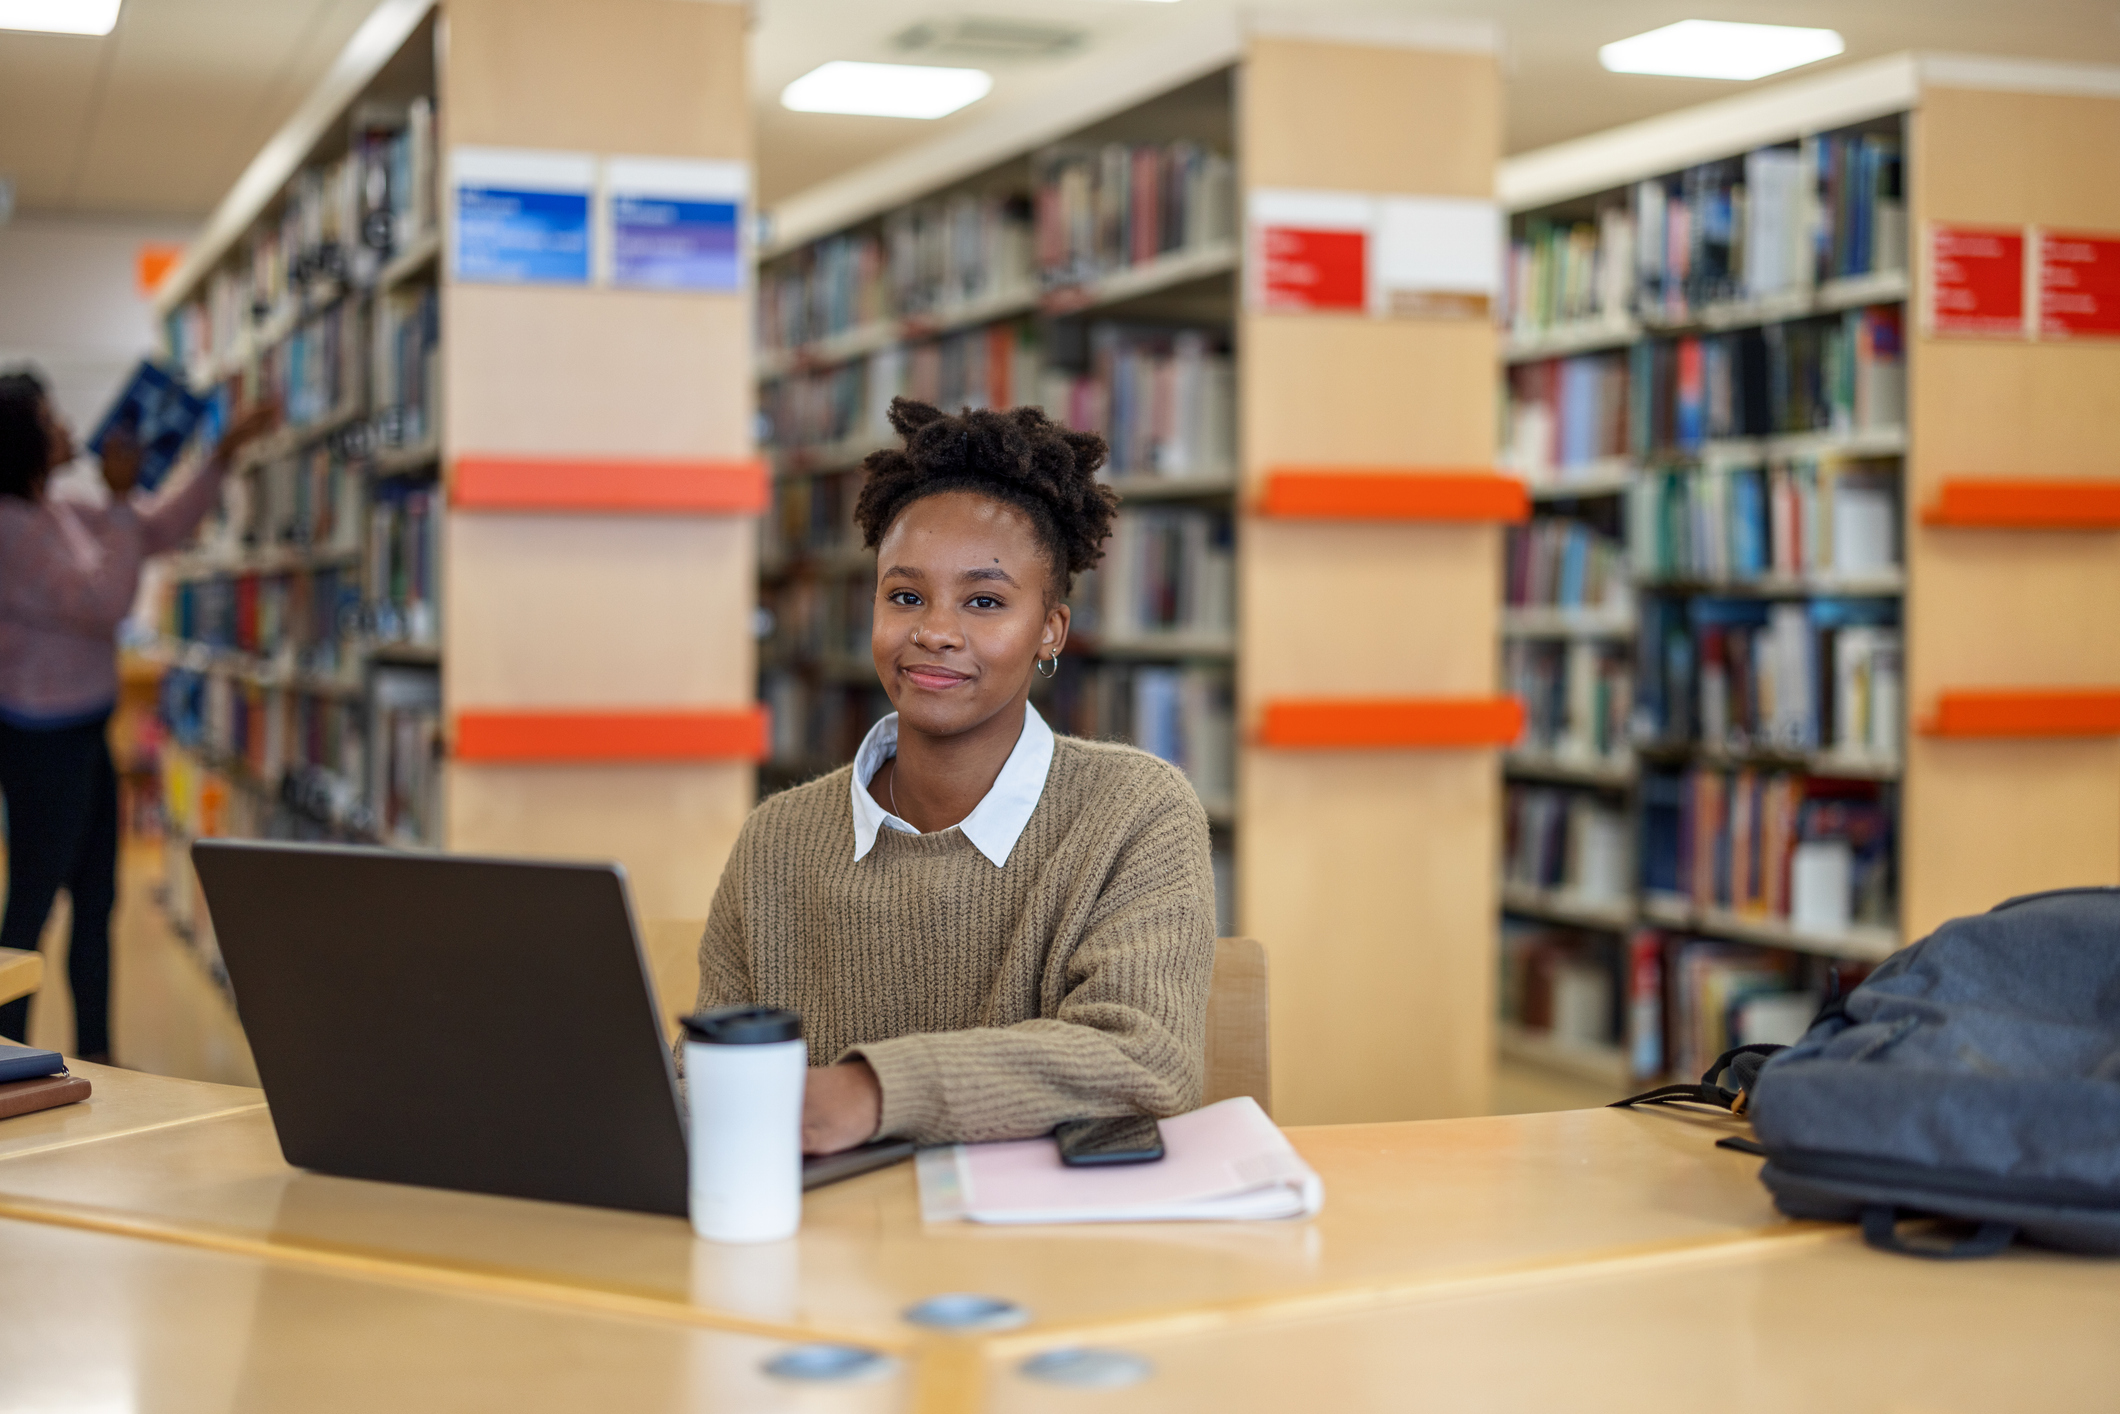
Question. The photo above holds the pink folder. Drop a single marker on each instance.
(1221, 1163)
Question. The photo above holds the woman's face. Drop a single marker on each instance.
(964, 610)
(58, 441)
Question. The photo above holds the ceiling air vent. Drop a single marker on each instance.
(988, 41)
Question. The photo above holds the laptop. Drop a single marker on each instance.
(477, 1024)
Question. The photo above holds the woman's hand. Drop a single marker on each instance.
(121, 461)
(246, 427)
(841, 1107)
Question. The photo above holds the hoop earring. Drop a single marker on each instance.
(1053, 661)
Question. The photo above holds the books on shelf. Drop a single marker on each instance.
(1792, 518)
(1861, 193)
(1759, 227)
(1739, 675)
(1167, 570)
(407, 365)
(265, 732)
(406, 754)
(926, 259)
(1560, 983)
(401, 576)
(1184, 714)
(1562, 563)
(1571, 272)
(312, 500)
(311, 373)
(1105, 208)
(336, 226)
(298, 621)
(994, 366)
(1567, 414)
(1842, 373)
(1567, 841)
(1729, 840)
(1578, 699)
(1164, 401)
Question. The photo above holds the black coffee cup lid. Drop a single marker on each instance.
(743, 1026)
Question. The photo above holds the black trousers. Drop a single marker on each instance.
(62, 832)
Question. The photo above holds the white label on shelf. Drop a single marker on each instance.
(1389, 255)
(1436, 255)
(521, 216)
(674, 223)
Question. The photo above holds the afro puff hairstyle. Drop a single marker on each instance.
(1019, 457)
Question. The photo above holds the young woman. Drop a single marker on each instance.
(68, 575)
(987, 929)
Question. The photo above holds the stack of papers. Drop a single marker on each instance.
(1222, 1163)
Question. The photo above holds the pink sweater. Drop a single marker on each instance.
(68, 576)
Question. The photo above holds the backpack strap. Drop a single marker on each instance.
(1880, 1229)
(1737, 1062)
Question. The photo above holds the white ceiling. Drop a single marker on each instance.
(162, 114)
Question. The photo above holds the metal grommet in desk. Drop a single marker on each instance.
(1085, 1367)
(821, 1363)
(967, 1311)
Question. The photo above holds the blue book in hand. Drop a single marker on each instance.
(160, 413)
(24, 1063)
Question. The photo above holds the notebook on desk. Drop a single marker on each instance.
(1226, 1162)
(33, 1080)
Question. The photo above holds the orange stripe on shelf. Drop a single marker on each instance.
(1393, 722)
(730, 487)
(1323, 493)
(2048, 712)
(733, 734)
(2027, 505)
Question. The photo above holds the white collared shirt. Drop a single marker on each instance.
(995, 824)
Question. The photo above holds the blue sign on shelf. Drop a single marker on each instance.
(522, 237)
(675, 244)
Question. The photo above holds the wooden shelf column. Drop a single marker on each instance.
(598, 616)
(2010, 609)
(1368, 870)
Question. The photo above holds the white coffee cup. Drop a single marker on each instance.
(744, 1071)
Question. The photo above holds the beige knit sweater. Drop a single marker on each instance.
(992, 1003)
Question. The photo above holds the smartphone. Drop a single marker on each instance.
(1129, 1139)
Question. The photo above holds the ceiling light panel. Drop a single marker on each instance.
(884, 90)
(60, 16)
(1718, 49)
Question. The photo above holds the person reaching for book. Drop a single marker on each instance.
(988, 929)
(71, 574)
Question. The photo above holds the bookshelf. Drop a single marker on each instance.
(1755, 606)
(1016, 265)
(296, 641)
(433, 609)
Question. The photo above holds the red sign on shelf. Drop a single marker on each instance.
(2079, 286)
(1976, 280)
(1309, 269)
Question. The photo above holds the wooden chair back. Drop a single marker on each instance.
(20, 973)
(1238, 1059)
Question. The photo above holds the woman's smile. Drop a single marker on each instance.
(934, 677)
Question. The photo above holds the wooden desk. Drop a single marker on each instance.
(122, 1102)
(21, 972)
(1798, 1328)
(99, 1322)
(1411, 1209)
(1585, 1261)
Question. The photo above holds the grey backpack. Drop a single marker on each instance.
(1974, 1076)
